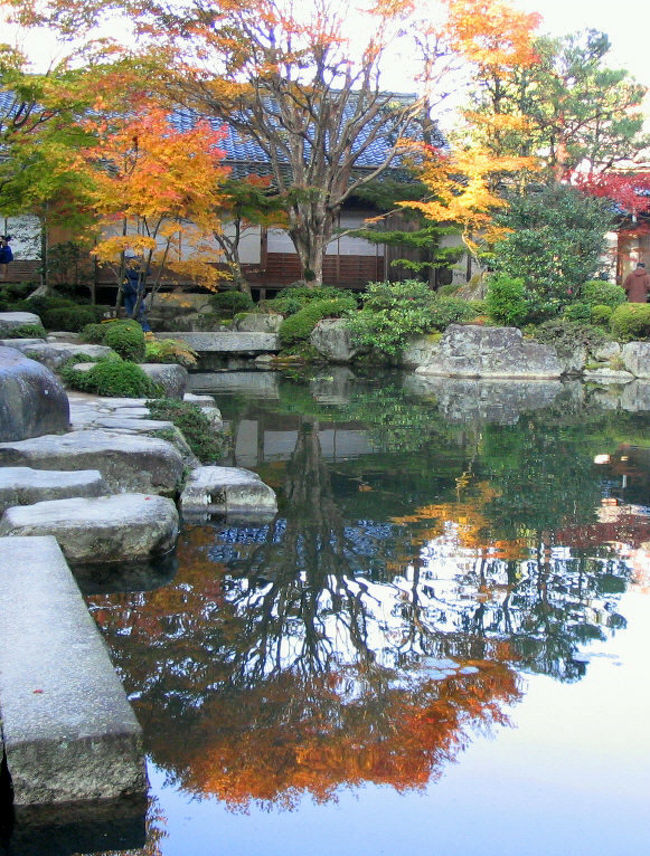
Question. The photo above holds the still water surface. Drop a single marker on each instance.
(438, 646)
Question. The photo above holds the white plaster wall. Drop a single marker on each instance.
(25, 234)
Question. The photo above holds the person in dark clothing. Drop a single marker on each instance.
(133, 289)
(637, 284)
(6, 255)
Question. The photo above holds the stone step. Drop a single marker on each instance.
(227, 490)
(127, 527)
(69, 732)
(129, 463)
(25, 486)
(227, 343)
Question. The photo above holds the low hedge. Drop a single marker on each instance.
(292, 299)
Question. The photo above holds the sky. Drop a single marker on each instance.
(626, 22)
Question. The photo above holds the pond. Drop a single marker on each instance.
(439, 644)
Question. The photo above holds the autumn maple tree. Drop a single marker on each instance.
(155, 191)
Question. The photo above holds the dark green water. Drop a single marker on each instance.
(438, 646)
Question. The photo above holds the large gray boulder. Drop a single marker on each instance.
(131, 527)
(55, 354)
(477, 351)
(11, 320)
(69, 732)
(32, 400)
(25, 486)
(332, 340)
(170, 376)
(227, 490)
(259, 322)
(636, 358)
(128, 462)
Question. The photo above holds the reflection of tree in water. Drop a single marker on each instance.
(324, 650)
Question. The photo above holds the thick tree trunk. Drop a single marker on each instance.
(310, 229)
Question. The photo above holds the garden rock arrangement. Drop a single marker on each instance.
(227, 490)
(32, 399)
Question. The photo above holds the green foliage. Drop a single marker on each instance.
(208, 446)
(13, 293)
(601, 314)
(631, 321)
(227, 304)
(124, 336)
(450, 310)
(597, 292)
(72, 318)
(391, 313)
(297, 327)
(506, 300)
(578, 311)
(296, 297)
(25, 331)
(447, 290)
(112, 377)
(169, 351)
(566, 335)
(555, 245)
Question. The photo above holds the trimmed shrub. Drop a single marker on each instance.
(71, 317)
(631, 321)
(506, 300)
(226, 304)
(597, 292)
(124, 336)
(578, 311)
(451, 310)
(392, 312)
(112, 377)
(169, 351)
(601, 314)
(296, 297)
(195, 426)
(297, 328)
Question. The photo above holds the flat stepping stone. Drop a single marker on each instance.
(69, 731)
(25, 486)
(121, 528)
(55, 354)
(227, 490)
(128, 462)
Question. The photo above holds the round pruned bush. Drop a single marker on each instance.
(298, 327)
(597, 292)
(506, 300)
(111, 377)
(451, 310)
(578, 311)
(226, 304)
(124, 336)
(631, 321)
(601, 315)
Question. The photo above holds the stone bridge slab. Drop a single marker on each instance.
(69, 732)
(228, 343)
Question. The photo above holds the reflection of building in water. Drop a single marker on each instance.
(269, 438)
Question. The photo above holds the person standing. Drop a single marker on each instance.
(133, 288)
(637, 284)
(6, 255)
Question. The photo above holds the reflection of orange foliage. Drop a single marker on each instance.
(291, 736)
(465, 513)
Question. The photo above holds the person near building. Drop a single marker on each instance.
(637, 284)
(6, 255)
(133, 289)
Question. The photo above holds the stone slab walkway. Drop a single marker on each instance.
(68, 730)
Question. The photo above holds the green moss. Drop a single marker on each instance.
(25, 331)
(111, 377)
(208, 446)
(297, 328)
